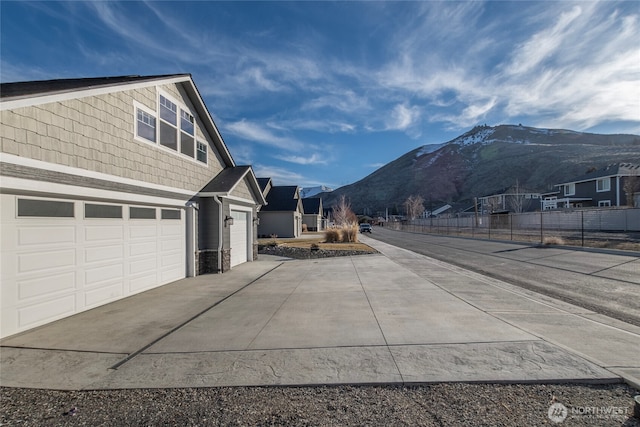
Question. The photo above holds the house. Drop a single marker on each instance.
(282, 215)
(614, 185)
(512, 199)
(110, 187)
(312, 216)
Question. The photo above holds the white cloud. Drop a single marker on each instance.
(257, 133)
(314, 159)
(279, 176)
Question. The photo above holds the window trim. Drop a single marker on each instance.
(206, 152)
(36, 199)
(570, 193)
(603, 180)
(156, 114)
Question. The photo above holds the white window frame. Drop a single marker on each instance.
(604, 203)
(206, 151)
(180, 107)
(604, 181)
(570, 189)
(138, 106)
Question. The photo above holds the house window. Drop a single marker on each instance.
(146, 125)
(602, 203)
(102, 211)
(187, 133)
(168, 123)
(45, 208)
(603, 185)
(170, 214)
(202, 152)
(570, 189)
(142, 213)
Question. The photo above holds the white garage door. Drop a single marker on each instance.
(238, 233)
(61, 257)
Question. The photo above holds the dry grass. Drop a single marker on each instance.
(321, 244)
(553, 240)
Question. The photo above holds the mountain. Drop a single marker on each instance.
(484, 161)
(314, 191)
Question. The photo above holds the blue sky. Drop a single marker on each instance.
(315, 93)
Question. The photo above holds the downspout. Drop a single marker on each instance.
(618, 190)
(220, 231)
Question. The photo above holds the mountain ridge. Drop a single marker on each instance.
(485, 160)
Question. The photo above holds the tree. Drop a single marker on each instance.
(342, 213)
(518, 203)
(414, 206)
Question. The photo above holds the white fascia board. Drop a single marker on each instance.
(11, 185)
(29, 101)
(54, 167)
(228, 197)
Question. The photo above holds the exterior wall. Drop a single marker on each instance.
(243, 191)
(96, 133)
(312, 221)
(588, 189)
(282, 224)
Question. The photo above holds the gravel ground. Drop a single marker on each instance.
(300, 253)
(429, 405)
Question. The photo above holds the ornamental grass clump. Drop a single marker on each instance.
(333, 235)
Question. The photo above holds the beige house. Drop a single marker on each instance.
(282, 215)
(110, 187)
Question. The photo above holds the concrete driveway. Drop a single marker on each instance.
(396, 317)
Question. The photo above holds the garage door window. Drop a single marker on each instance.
(45, 208)
(102, 211)
(142, 213)
(170, 214)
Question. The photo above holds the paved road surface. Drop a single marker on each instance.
(607, 282)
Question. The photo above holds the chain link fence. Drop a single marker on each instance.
(606, 228)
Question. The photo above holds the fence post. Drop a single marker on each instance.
(489, 219)
(582, 226)
(541, 228)
(511, 224)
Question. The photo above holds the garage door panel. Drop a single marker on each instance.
(103, 232)
(46, 261)
(103, 294)
(238, 236)
(171, 245)
(44, 286)
(172, 230)
(146, 265)
(141, 232)
(28, 236)
(103, 274)
(47, 310)
(141, 249)
(104, 253)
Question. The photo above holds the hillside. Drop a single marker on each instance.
(484, 161)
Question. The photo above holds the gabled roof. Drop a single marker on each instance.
(25, 94)
(225, 182)
(282, 198)
(265, 185)
(312, 205)
(41, 87)
(618, 169)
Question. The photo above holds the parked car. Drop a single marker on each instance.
(365, 228)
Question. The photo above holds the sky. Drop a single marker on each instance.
(325, 93)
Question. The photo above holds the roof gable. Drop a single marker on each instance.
(312, 205)
(228, 179)
(283, 198)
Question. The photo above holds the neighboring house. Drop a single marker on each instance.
(514, 199)
(312, 216)
(282, 215)
(614, 185)
(110, 187)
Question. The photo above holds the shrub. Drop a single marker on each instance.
(333, 235)
(350, 233)
(552, 240)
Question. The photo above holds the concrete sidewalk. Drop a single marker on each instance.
(397, 317)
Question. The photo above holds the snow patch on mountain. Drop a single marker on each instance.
(314, 191)
(480, 136)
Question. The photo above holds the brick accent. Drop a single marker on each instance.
(207, 261)
(255, 251)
